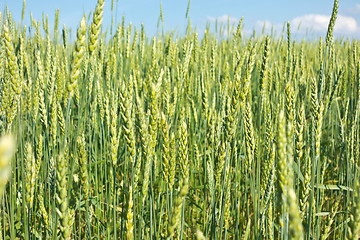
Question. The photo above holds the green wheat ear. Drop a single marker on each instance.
(329, 34)
(62, 203)
(354, 225)
(95, 26)
(23, 11)
(77, 56)
(188, 9)
(7, 149)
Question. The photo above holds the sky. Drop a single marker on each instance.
(306, 17)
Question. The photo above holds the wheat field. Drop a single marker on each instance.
(130, 136)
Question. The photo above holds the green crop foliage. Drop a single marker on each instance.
(130, 136)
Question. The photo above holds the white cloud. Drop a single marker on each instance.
(224, 19)
(345, 25)
(319, 23)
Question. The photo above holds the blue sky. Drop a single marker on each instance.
(312, 14)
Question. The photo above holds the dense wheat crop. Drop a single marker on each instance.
(129, 136)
